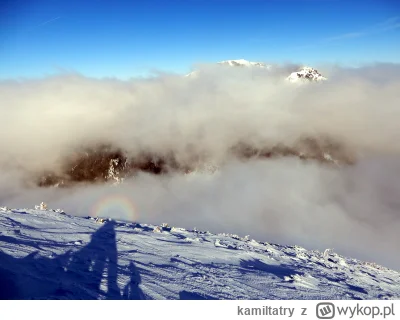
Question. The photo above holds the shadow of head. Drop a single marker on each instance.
(8, 285)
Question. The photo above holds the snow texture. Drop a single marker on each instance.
(47, 254)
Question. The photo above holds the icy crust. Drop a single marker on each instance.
(47, 254)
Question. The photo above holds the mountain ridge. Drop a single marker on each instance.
(302, 74)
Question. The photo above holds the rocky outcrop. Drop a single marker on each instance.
(106, 163)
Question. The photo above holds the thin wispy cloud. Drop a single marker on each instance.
(384, 26)
(35, 28)
(345, 36)
(389, 24)
(48, 21)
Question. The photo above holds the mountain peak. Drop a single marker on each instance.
(305, 73)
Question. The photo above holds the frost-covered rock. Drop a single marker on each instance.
(113, 172)
(100, 220)
(42, 206)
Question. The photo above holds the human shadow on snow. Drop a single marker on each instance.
(89, 273)
(92, 272)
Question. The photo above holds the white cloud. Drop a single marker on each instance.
(353, 209)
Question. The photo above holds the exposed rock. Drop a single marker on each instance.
(108, 164)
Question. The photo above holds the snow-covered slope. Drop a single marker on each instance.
(46, 254)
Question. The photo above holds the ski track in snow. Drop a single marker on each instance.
(49, 255)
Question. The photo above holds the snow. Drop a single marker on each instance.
(47, 254)
(305, 74)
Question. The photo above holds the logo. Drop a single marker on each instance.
(325, 310)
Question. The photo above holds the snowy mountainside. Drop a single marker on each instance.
(47, 254)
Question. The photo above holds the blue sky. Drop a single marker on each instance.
(103, 38)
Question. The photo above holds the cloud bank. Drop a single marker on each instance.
(354, 209)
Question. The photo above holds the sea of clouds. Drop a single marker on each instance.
(353, 209)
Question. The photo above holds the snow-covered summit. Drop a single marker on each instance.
(305, 74)
(48, 254)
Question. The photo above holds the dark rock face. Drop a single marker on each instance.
(324, 151)
(101, 164)
(106, 163)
